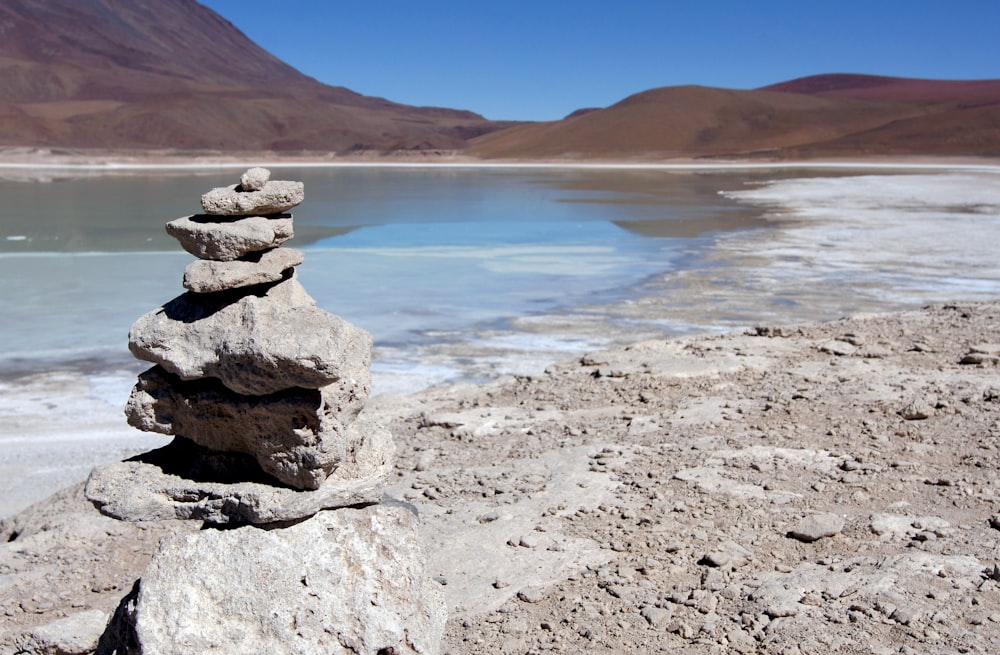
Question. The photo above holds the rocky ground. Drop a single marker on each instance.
(814, 489)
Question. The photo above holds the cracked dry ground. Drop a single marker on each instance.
(714, 449)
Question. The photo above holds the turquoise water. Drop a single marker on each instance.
(464, 273)
(416, 256)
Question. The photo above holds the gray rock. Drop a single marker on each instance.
(205, 276)
(75, 634)
(531, 595)
(728, 553)
(982, 354)
(297, 435)
(209, 237)
(836, 347)
(256, 344)
(916, 410)
(184, 481)
(254, 179)
(817, 526)
(344, 582)
(274, 197)
(656, 616)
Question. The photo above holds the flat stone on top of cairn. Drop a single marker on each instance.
(274, 197)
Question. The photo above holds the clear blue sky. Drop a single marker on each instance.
(542, 59)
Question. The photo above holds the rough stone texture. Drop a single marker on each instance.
(817, 526)
(350, 581)
(917, 410)
(206, 276)
(256, 344)
(582, 466)
(983, 354)
(184, 481)
(274, 197)
(75, 634)
(254, 179)
(297, 435)
(209, 237)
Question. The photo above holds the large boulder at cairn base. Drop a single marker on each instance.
(208, 237)
(274, 197)
(204, 276)
(344, 582)
(297, 435)
(183, 480)
(256, 344)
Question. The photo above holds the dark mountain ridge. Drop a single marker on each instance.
(174, 74)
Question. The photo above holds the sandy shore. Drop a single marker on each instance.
(816, 488)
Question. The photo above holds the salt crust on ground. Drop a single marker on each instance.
(642, 500)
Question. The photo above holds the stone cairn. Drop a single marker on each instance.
(265, 395)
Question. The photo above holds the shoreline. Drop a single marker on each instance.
(781, 275)
(648, 497)
(115, 161)
(800, 486)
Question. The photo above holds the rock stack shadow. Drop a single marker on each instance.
(265, 395)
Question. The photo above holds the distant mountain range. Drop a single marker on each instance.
(836, 115)
(172, 74)
(141, 74)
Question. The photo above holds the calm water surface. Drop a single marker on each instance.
(418, 256)
(462, 273)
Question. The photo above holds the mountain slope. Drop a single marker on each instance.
(174, 74)
(893, 89)
(823, 116)
(960, 117)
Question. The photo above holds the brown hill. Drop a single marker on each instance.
(894, 89)
(174, 74)
(830, 115)
(961, 117)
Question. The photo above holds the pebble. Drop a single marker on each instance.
(657, 617)
(529, 541)
(904, 615)
(817, 526)
(728, 553)
(782, 609)
(617, 591)
(530, 595)
(841, 348)
(254, 179)
(682, 629)
(425, 461)
(916, 410)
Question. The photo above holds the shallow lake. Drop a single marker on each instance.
(463, 273)
(417, 256)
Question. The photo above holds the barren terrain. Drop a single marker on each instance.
(814, 489)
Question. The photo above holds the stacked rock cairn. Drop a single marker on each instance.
(265, 395)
